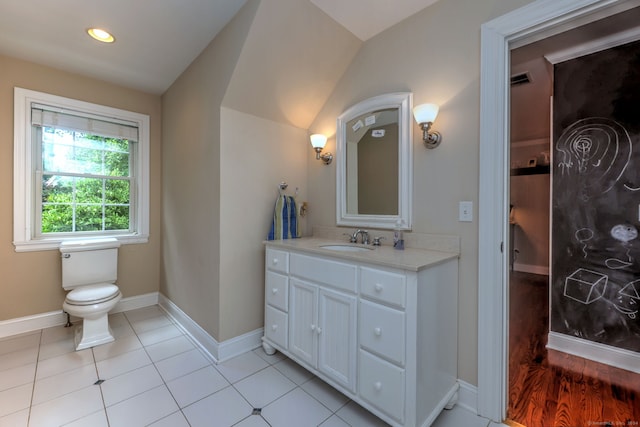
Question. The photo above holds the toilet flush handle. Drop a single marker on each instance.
(66, 255)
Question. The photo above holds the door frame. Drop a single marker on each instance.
(538, 20)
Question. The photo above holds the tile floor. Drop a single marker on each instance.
(153, 375)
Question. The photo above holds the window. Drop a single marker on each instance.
(80, 171)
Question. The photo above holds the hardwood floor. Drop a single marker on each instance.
(552, 389)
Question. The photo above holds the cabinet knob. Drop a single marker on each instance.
(274, 327)
(319, 330)
(313, 327)
(274, 291)
(275, 261)
(378, 287)
(377, 386)
(377, 331)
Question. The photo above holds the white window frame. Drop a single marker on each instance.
(24, 186)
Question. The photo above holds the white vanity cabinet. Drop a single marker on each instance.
(385, 336)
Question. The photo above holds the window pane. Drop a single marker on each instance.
(116, 218)
(116, 163)
(57, 189)
(117, 192)
(88, 190)
(57, 218)
(88, 218)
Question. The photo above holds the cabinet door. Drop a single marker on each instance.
(337, 337)
(303, 321)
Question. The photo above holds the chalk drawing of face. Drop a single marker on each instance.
(624, 232)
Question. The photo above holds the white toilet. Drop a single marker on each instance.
(89, 270)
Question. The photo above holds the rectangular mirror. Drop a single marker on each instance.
(374, 163)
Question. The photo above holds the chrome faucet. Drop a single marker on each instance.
(364, 234)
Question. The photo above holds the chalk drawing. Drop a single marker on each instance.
(623, 233)
(583, 235)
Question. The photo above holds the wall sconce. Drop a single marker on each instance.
(318, 141)
(425, 115)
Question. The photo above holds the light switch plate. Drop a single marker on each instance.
(465, 211)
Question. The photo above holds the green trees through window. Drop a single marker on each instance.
(86, 182)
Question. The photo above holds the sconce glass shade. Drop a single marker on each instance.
(425, 113)
(318, 140)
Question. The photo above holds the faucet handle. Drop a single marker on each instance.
(352, 237)
(376, 241)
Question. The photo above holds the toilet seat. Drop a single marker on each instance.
(92, 294)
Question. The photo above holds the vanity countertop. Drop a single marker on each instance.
(408, 259)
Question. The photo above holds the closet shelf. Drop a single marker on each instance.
(536, 170)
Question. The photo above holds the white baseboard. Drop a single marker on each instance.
(217, 352)
(468, 396)
(21, 325)
(534, 269)
(602, 353)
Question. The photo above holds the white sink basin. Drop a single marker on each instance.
(346, 248)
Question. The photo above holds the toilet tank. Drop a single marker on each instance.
(87, 262)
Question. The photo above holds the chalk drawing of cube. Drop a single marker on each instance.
(585, 286)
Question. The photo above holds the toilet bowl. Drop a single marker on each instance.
(92, 304)
(89, 270)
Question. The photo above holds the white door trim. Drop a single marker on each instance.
(535, 21)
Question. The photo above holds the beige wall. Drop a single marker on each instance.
(235, 127)
(436, 55)
(31, 281)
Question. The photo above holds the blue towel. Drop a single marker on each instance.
(285, 219)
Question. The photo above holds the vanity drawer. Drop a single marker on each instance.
(382, 331)
(277, 260)
(277, 290)
(382, 385)
(384, 286)
(276, 327)
(329, 272)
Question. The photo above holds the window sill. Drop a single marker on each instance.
(54, 244)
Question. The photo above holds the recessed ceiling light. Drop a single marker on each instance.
(101, 35)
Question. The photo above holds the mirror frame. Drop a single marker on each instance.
(403, 101)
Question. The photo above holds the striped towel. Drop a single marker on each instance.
(285, 219)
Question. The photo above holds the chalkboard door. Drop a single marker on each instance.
(595, 266)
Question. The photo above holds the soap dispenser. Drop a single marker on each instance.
(398, 239)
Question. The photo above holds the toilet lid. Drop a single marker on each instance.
(92, 294)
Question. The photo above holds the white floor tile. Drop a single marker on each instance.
(148, 324)
(97, 419)
(170, 347)
(181, 364)
(143, 409)
(252, 421)
(64, 363)
(67, 408)
(115, 348)
(296, 409)
(264, 387)
(196, 385)
(56, 348)
(124, 386)
(19, 342)
(144, 313)
(14, 377)
(57, 385)
(325, 394)
(241, 366)
(270, 359)
(458, 417)
(18, 358)
(293, 371)
(160, 334)
(356, 416)
(176, 419)
(15, 399)
(57, 333)
(17, 419)
(335, 421)
(118, 365)
(226, 407)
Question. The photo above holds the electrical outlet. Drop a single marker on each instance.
(465, 211)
